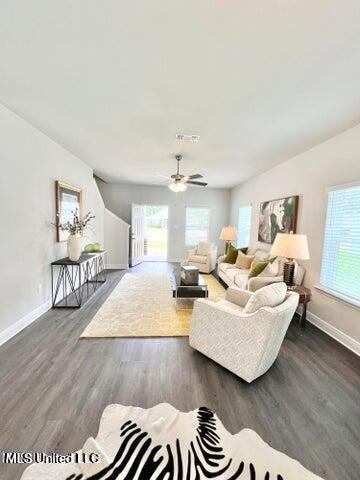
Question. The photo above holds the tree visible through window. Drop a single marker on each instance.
(197, 225)
(340, 269)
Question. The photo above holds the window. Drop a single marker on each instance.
(197, 225)
(244, 225)
(340, 269)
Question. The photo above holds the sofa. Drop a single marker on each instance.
(233, 276)
(247, 344)
(204, 257)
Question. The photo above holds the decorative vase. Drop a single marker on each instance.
(74, 247)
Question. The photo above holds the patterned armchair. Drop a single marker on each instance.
(247, 344)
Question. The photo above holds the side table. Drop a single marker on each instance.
(305, 297)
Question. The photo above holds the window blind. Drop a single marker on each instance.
(197, 225)
(244, 226)
(340, 269)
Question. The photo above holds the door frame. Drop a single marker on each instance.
(133, 206)
(167, 228)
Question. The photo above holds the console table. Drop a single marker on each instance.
(73, 283)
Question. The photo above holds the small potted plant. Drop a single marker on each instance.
(75, 228)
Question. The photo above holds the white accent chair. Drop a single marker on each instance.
(204, 257)
(247, 344)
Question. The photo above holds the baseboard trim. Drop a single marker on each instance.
(11, 331)
(117, 266)
(335, 333)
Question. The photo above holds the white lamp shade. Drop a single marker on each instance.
(228, 234)
(290, 245)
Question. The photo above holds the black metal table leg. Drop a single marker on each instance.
(87, 272)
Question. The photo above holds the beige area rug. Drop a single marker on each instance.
(141, 305)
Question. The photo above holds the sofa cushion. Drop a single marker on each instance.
(224, 267)
(269, 296)
(241, 279)
(198, 258)
(243, 261)
(231, 273)
(261, 255)
(203, 248)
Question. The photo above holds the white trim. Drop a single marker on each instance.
(16, 327)
(117, 266)
(333, 293)
(335, 333)
(333, 188)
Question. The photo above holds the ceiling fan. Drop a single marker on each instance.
(179, 182)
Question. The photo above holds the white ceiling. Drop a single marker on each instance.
(113, 81)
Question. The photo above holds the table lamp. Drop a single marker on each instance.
(291, 246)
(228, 234)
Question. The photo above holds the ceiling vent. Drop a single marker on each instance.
(182, 137)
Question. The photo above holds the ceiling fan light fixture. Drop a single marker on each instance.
(177, 187)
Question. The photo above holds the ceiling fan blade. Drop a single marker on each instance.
(201, 184)
(196, 175)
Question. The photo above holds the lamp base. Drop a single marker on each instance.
(290, 272)
(227, 244)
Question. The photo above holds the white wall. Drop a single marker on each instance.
(116, 233)
(334, 162)
(118, 198)
(30, 164)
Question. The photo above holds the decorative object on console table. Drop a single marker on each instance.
(291, 246)
(75, 226)
(304, 299)
(73, 282)
(92, 248)
(74, 247)
(228, 234)
(277, 216)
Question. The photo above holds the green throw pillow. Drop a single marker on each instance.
(232, 254)
(258, 267)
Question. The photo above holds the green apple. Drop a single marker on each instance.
(96, 247)
(89, 248)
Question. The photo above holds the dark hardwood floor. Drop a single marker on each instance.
(54, 387)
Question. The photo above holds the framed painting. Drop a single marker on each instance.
(277, 216)
(68, 199)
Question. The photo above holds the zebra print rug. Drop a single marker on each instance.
(163, 443)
